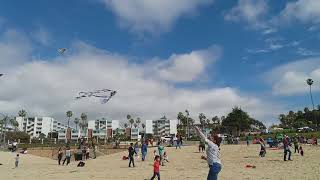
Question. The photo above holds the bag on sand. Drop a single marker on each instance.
(124, 158)
(81, 164)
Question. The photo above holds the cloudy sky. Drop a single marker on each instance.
(162, 56)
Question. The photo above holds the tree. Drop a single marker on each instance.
(76, 122)
(237, 120)
(143, 126)
(69, 115)
(310, 82)
(135, 125)
(14, 123)
(125, 125)
(131, 121)
(84, 122)
(4, 123)
(202, 118)
(22, 113)
(138, 121)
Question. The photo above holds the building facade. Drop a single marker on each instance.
(34, 126)
(161, 127)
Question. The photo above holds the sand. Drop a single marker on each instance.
(184, 163)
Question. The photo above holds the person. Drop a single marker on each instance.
(262, 148)
(17, 161)
(131, 153)
(14, 146)
(202, 146)
(301, 151)
(161, 151)
(178, 144)
(286, 148)
(60, 154)
(296, 145)
(156, 168)
(151, 142)
(136, 148)
(67, 156)
(213, 154)
(144, 150)
(165, 156)
(247, 139)
(87, 153)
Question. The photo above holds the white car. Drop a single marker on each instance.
(167, 138)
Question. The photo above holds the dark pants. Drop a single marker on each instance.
(286, 151)
(156, 174)
(202, 148)
(296, 148)
(131, 160)
(215, 168)
(144, 153)
(59, 159)
(68, 160)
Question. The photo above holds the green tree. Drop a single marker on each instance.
(237, 120)
(131, 121)
(143, 126)
(138, 121)
(14, 123)
(69, 115)
(84, 123)
(23, 113)
(202, 118)
(76, 122)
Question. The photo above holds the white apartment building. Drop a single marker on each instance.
(35, 126)
(102, 128)
(161, 127)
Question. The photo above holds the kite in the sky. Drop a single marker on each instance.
(62, 50)
(104, 95)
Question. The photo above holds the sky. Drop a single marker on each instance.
(161, 56)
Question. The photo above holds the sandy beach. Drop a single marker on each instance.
(184, 163)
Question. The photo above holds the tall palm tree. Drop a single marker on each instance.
(14, 123)
(125, 125)
(187, 131)
(310, 82)
(23, 113)
(84, 122)
(143, 126)
(138, 121)
(135, 125)
(76, 121)
(69, 115)
(131, 121)
(4, 122)
(202, 119)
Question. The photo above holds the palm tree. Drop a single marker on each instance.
(143, 126)
(14, 123)
(128, 117)
(310, 82)
(135, 125)
(131, 121)
(208, 123)
(188, 114)
(202, 119)
(69, 115)
(76, 121)
(83, 123)
(4, 122)
(23, 113)
(138, 121)
(125, 125)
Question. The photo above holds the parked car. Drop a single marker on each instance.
(305, 129)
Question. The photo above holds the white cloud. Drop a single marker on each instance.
(48, 87)
(307, 52)
(305, 11)
(290, 79)
(187, 67)
(252, 12)
(152, 16)
(14, 48)
(42, 36)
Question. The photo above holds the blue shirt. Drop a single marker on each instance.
(144, 148)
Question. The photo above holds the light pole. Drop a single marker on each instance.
(310, 82)
(187, 123)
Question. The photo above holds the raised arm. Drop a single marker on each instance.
(199, 132)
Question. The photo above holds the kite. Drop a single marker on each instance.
(62, 50)
(104, 95)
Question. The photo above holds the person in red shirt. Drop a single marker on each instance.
(156, 167)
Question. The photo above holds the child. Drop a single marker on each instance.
(17, 161)
(161, 151)
(301, 150)
(156, 167)
(154, 153)
(262, 148)
(165, 157)
(60, 154)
